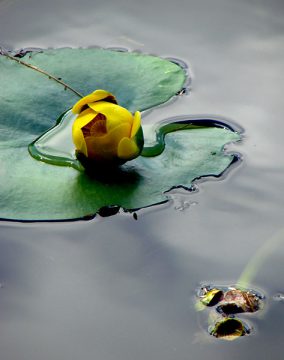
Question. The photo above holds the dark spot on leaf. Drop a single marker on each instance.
(108, 210)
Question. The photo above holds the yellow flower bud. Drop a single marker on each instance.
(105, 132)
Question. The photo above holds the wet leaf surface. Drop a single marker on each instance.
(30, 103)
(229, 329)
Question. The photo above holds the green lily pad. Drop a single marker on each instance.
(30, 103)
(57, 192)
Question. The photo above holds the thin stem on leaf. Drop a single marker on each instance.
(11, 57)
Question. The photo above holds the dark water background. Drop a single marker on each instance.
(120, 289)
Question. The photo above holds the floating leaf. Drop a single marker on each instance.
(36, 190)
(30, 102)
(33, 190)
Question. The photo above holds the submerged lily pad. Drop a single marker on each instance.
(238, 301)
(229, 329)
(30, 103)
(212, 297)
(229, 300)
(222, 304)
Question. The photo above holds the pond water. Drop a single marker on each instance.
(120, 288)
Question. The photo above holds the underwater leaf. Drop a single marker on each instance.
(229, 329)
(230, 300)
(212, 297)
(223, 303)
(238, 301)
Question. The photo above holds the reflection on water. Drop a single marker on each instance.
(116, 288)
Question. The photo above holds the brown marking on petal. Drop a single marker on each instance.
(96, 127)
(110, 99)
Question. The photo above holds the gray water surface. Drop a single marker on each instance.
(120, 289)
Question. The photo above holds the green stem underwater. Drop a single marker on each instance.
(254, 265)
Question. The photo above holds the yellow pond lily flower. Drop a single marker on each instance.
(105, 132)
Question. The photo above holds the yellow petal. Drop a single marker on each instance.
(79, 141)
(115, 114)
(83, 119)
(127, 149)
(93, 97)
(105, 147)
(136, 124)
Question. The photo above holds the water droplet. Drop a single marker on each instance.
(183, 205)
(278, 297)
